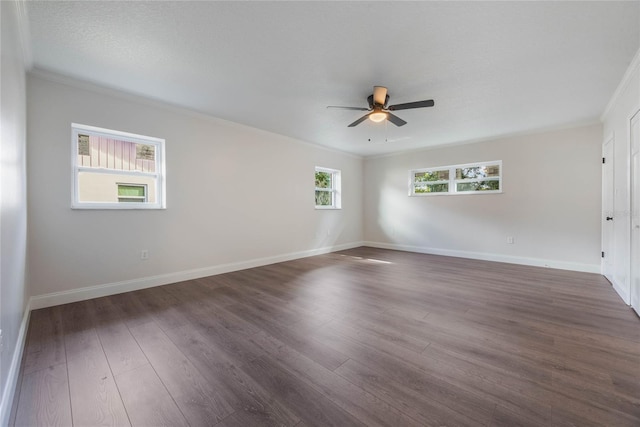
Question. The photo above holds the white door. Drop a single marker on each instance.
(635, 212)
(608, 191)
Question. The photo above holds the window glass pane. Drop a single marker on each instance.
(475, 172)
(131, 190)
(492, 171)
(130, 200)
(95, 187)
(441, 175)
(83, 145)
(478, 186)
(145, 152)
(432, 188)
(323, 180)
(109, 153)
(324, 198)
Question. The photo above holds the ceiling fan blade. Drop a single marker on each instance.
(409, 105)
(379, 94)
(395, 120)
(360, 120)
(348, 108)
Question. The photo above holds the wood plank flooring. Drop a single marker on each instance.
(363, 337)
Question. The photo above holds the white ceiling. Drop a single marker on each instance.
(493, 68)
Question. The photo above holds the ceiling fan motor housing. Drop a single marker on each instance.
(372, 104)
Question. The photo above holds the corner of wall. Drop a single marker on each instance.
(13, 211)
(622, 86)
(9, 390)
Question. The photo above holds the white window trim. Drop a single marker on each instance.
(160, 173)
(336, 188)
(453, 181)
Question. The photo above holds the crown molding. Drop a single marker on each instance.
(52, 76)
(497, 137)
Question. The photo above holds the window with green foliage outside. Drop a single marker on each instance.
(436, 181)
(324, 193)
(128, 193)
(327, 188)
(457, 179)
(478, 178)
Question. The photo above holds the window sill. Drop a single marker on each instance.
(114, 206)
(456, 194)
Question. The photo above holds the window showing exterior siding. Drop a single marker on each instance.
(113, 169)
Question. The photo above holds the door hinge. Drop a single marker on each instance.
(602, 254)
(603, 160)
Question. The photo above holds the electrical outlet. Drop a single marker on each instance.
(144, 254)
(511, 240)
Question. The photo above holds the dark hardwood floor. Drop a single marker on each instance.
(360, 337)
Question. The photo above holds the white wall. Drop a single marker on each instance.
(236, 197)
(616, 122)
(13, 207)
(550, 204)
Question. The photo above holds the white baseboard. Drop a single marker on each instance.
(81, 294)
(14, 370)
(536, 262)
(623, 291)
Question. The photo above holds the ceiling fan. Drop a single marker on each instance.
(379, 111)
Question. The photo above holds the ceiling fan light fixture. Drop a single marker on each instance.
(378, 116)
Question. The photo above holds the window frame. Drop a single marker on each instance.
(335, 190)
(428, 183)
(452, 182)
(159, 175)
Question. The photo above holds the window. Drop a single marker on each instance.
(327, 188)
(435, 181)
(116, 170)
(128, 193)
(473, 178)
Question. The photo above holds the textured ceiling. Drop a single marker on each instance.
(493, 68)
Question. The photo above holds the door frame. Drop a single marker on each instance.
(608, 191)
(634, 195)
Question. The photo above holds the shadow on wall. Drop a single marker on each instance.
(406, 220)
(329, 227)
(441, 221)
